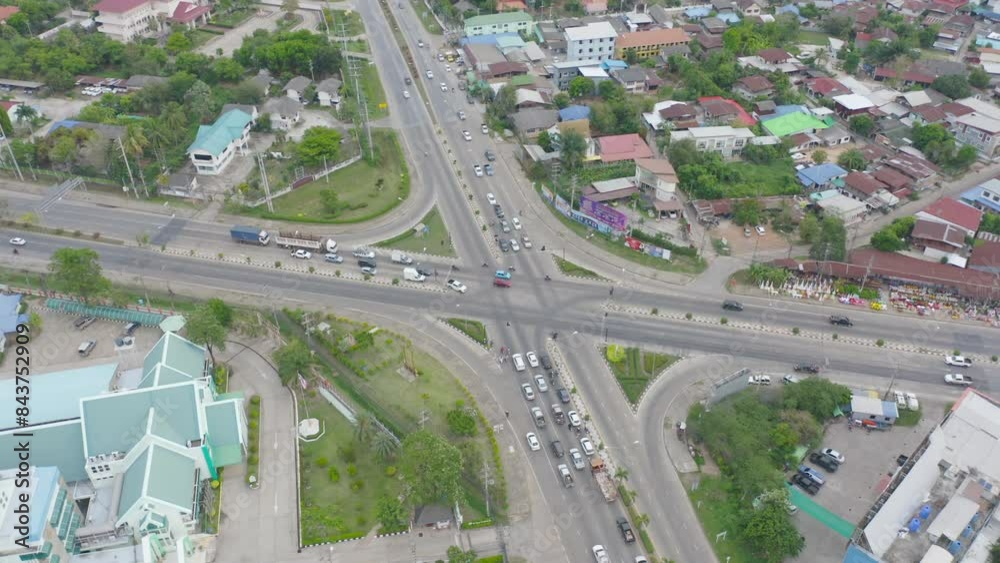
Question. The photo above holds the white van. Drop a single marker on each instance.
(86, 348)
(518, 362)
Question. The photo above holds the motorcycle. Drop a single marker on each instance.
(548, 278)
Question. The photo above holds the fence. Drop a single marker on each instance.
(299, 182)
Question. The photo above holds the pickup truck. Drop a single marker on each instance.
(957, 379)
(558, 415)
(626, 530)
(539, 417)
(399, 258)
(565, 475)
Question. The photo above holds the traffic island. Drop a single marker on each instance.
(429, 236)
(574, 270)
(473, 329)
(635, 369)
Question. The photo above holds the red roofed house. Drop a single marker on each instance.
(722, 111)
(985, 255)
(595, 6)
(616, 148)
(504, 5)
(753, 86)
(7, 11)
(823, 87)
(126, 20)
(775, 56)
(190, 14)
(895, 179)
(937, 239)
(861, 186)
(954, 213)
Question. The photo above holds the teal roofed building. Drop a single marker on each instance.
(215, 145)
(53, 517)
(794, 123)
(504, 22)
(173, 360)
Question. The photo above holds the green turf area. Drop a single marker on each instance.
(719, 512)
(908, 417)
(635, 368)
(233, 18)
(371, 86)
(427, 19)
(813, 37)
(571, 269)
(344, 23)
(474, 329)
(435, 240)
(357, 46)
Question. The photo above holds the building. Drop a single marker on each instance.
(296, 88)
(262, 80)
(872, 411)
(284, 112)
(656, 177)
(985, 196)
(6, 12)
(215, 145)
(530, 122)
(754, 86)
(565, 71)
(794, 123)
(125, 20)
(980, 128)
(189, 15)
(53, 517)
(749, 8)
(722, 111)
(851, 104)
(985, 255)
(670, 114)
(845, 208)
(861, 186)
(645, 44)
(328, 92)
(937, 239)
(634, 79)
(506, 22)
(726, 140)
(824, 87)
(10, 317)
(591, 42)
(955, 213)
(616, 148)
(821, 177)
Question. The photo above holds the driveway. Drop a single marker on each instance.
(266, 18)
(56, 108)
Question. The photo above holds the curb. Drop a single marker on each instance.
(332, 542)
(607, 365)
(379, 536)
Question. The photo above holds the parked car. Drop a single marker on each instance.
(302, 254)
(760, 230)
(334, 258)
(368, 270)
(830, 452)
(457, 286)
(789, 378)
(807, 368)
(823, 461)
(911, 402)
(731, 305)
(900, 399)
(759, 380)
(805, 483)
(588, 446)
(532, 358)
(486, 130)
(546, 362)
(813, 474)
(84, 322)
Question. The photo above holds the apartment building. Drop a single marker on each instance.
(591, 42)
(645, 44)
(726, 140)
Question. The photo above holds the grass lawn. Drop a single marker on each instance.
(809, 37)
(335, 503)
(637, 368)
(357, 46)
(718, 512)
(776, 178)
(427, 19)
(908, 417)
(571, 269)
(199, 37)
(474, 329)
(435, 241)
(232, 19)
(356, 187)
(350, 20)
(372, 88)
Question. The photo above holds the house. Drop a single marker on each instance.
(845, 208)
(505, 22)
(937, 239)
(181, 185)
(985, 255)
(591, 42)
(530, 122)
(709, 43)
(295, 89)
(565, 71)
(645, 44)
(960, 24)
(670, 114)
(985, 196)
(328, 92)
(726, 140)
(914, 167)
(125, 20)
(634, 79)
(823, 87)
(776, 56)
(821, 176)
(753, 86)
(835, 135)
(511, 5)
(955, 213)
(285, 112)
(980, 128)
(10, 317)
(927, 114)
(719, 110)
(861, 186)
(714, 26)
(793, 123)
(656, 177)
(215, 145)
(261, 80)
(893, 179)
(505, 69)
(749, 7)
(189, 15)
(525, 98)
(873, 411)
(6, 12)
(591, 7)
(249, 109)
(435, 516)
(616, 148)
(140, 81)
(850, 105)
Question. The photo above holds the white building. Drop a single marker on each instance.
(656, 176)
(591, 42)
(125, 20)
(724, 139)
(215, 145)
(981, 128)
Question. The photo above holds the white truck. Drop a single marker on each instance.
(297, 239)
(958, 379)
(565, 475)
(411, 274)
(399, 258)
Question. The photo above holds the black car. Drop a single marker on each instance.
(840, 320)
(409, 80)
(130, 328)
(490, 156)
(423, 271)
(546, 362)
(807, 368)
(731, 305)
(563, 395)
(498, 210)
(504, 245)
(805, 483)
(825, 462)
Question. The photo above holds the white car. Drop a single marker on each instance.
(912, 402)
(588, 446)
(361, 252)
(302, 254)
(461, 115)
(958, 361)
(18, 241)
(759, 380)
(517, 223)
(600, 554)
(760, 230)
(430, 74)
(444, 87)
(832, 453)
(486, 130)
(900, 399)
(514, 245)
(518, 362)
(478, 170)
(368, 270)
(447, 68)
(532, 358)
(491, 199)
(334, 258)
(574, 418)
(466, 135)
(406, 94)
(457, 286)
(525, 241)
(440, 57)
(577, 457)
(529, 393)
(420, 43)
(541, 384)
(533, 442)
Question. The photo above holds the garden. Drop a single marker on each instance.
(635, 368)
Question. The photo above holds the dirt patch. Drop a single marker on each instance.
(740, 244)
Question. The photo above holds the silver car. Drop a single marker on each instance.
(540, 383)
(505, 226)
(577, 457)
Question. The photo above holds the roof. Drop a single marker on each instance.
(755, 83)
(892, 178)
(873, 405)
(939, 232)
(533, 119)
(506, 67)
(677, 110)
(955, 212)
(118, 6)
(913, 166)
(827, 86)
(143, 80)
(709, 132)
(573, 112)
(10, 304)
(57, 394)
(58, 444)
(774, 55)
(709, 41)
(929, 113)
(498, 19)
(664, 36)
(985, 253)
(980, 122)
(696, 12)
(115, 423)
(632, 74)
(216, 137)
(187, 12)
(181, 356)
(329, 85)
(614, 148)
(658, 166)
(299, 84)
(8, 11)
(792, 123)
(719, 106)
(853, 101)
(863, 183)
(820, 174)
(596, 30)
(955, 108)
(160, 474)
(916, 98)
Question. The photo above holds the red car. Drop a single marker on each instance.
(500, 282)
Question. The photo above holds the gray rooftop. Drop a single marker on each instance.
(299, 83)
(282, 106)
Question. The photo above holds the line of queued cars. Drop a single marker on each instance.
(508, 241)
(811, 480)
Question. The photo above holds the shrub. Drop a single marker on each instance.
(357, 485)
(322, 462)
(253, 459)
(880, 343)
(77, 234)
(312, 269)
(688, 316)
(395, 281)
(220, 256)
(334, 475)
(252, 425)
(352, 469)
(337, 273)
(836, 336)
(390, 471)
(255, 400)
(994, 357)
(724, 321)
(96, 236)
(215, 483)
(277, 263)
(795, 330)
(956, 352)
(655, 311)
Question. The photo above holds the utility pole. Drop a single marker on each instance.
(264, 182)
(10, 150)
(486, 485)
(128, 167)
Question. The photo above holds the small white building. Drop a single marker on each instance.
(284, 112)
(328, 92)
(726, 140)
(215, 145)
(591, 42)
(296, 88)
(656, 176)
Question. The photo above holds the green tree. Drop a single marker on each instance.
(24, 112)
(964, 157)
(771, 533)
(852, 60)
(746, 212)
(611, 91)
(289, 7)
(862, 125)
(460, 422)
(831, 243)
(331, 202)
(177, 42)
(819, 156)
(572, 150)
(390, 513)
(979, 78)
(852, 159)
(817, 396)
(545, 141)
(887, 241)
(364, 424)
(221, 311)
(292, 359)
(808, 228)
(580, 86)
(198, 100)
(318, 145)
(457, 555)
(384, 445)
(228, 70)
(561, 100)
(838, 25)
(203, 327)
(432, 467)
(952, 85)
(502, 105)
(77, 271)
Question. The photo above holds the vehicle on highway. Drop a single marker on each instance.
(504, 245)
(911, 402)
(832, 453)
(504, 226)
(957, 379)
(958, 361)
(557, 448)
(604, 481)
(249, 235)
(505, 275)
(490, 155)
(498, 210)
(805, 483)
(574, 418)
(514, 245)
(760, 230)
(424, 270)
(420, 43)
(731, 305)
(789, 378)
(840, 320)
(588, 446)
(362, 252)
(528, 392)
(478, 170)
(538, 416)
(305, 241)
(18, 241)
(517, 223)
(368, 270)
(557, 414)
(812, 474)
(461, 114)
(600, 554)
(408, 80)
(411, 274)
(525, 241)
(533, 442)
(466, 135)
(641, 559)
(430, 74)
(543, 387)
(759, 380)
(406, 94)
(399, 258)
(532, 358)
(440, 58)
(625, 529)
(489, 169)
(491, 199)
(563, 395)
(457, 286)
(546, 362)
(518, 361)
(366, 263)
(302, 254)
(447, 68)
(565, 475)
(827, 463)
(577, 458)
(444, 87)
(500, 282)
(806, 368)
(485, 129)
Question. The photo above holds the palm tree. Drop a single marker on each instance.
(641, 520)
(24, 112)
(135, 141)
(384, 445)
(363, 426)
(621, 474)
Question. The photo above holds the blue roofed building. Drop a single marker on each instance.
(985, 196)
(53, 517)
(10, 317)
(822, 176)
(729, 17)
(574, 112)
(784, 110)
(697, 12)
(788, 9)
(613, 64)
(215, 145)
(488, 39)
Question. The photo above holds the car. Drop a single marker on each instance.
(302, 254)
(457, 286)
(799, 156)
(485, 129)
(440, 58)
(491, 199)
(790, 378)
(83, 322)
(478, 170)
(424, 270)
(334, 258)
(466, 135)
(577, 457)
(517, 223)
(760, 230)
(958, 361)
(574, 418)
(600, 554)
(518, 361)
(759, 380)
(504, 245)
(731, 305)
(806, 368)
(827, 463)
(541, 384)
(420, 43)
(840, 320)
(546, 362)
(505, 275)
(444, 87)
(641, 559)
(461, 114)
(528, 392)
(408, 80)
(490, 155)
(900, 399)
(533, 442)
(911, 402)
(500, 282)
(406, 94)
(525, 241)
(130, 329)
(368, 270)
(498, 211)
(563, 395)
(447, 68)
(805, 483)
(532, 358)
(362, 252)
(812, 474)
(747, 232)
(557, 448)
(489, 169)
(832, 453)
(18, 241)
(514, 245)
(505, 226)
(588, 446)
(430, 74)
